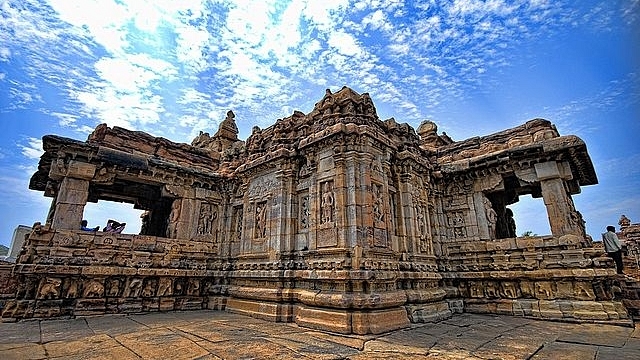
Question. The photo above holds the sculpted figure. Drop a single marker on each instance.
(378, 213)
(492, 217)
(165, 288)
(327, 203)
(260, 221)
(145, 218)
(173, 218)
(624, 221)
(94, 289)
(511, 223)
(304, 212)
(50, 289)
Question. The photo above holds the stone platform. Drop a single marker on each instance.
(222, 335)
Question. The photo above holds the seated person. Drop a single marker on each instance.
(84, 224)
(114, 227)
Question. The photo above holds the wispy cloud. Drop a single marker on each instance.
(175, 67)
(32, 149)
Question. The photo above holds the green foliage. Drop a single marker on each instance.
(529, 233)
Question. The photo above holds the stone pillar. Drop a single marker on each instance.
(282, 237)
(340, 190)
(406, 213)
(559, 205)
(351, 220)
(72, 195)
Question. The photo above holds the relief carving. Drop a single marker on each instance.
(165, 287)
(133, 288)
(208, 219)
(174, 217)
(378, 205)
(261, 220)
(328, 202)
(50, 289)
(304, 212)
(94, 289)
(113, 287)
(262, 186)
(491, 215)
(236, 226)
(150, 285)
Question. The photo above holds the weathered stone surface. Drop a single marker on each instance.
(334, 220)
(220, 335)
(56, 330)
(22, 351)
(161, 343)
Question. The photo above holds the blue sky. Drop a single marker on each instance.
(173, 68)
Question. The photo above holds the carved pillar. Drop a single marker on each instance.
(428, 235)
(72, 195)
(351, 220)
(406, 211)
(282, 212)
(340, 190)
(559, 205)
(364, 201)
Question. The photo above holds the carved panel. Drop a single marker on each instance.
(262, 186)
(208, 220)
(236, 223)
(327, 204)
(327, 237)
(304, 212)
(457, 224)
(260, 226)
(378, 205)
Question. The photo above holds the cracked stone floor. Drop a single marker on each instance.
(223, 335)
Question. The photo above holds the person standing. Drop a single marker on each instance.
(613, 247)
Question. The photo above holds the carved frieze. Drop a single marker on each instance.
(262, 186)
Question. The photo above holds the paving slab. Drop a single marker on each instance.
(159, 319)
(609, 353)
(466, 319)
(66, 329)
(566, 351)
(25, 351)
(248, 349)
(468, 340)
(214, 335)
(408, 341)
(596, 334)
(353, 341)
(26, 331)
(114, 325)
(440, 329)
(314, 347)
(89, 347)
(387, 355)
(161, 343)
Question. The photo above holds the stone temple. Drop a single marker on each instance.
(335, 220)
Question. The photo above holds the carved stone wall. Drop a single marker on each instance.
(334, 220)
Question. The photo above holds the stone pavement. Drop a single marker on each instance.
(221, 335)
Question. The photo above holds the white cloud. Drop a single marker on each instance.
(32, 149)
(5, 54)
(344, 43)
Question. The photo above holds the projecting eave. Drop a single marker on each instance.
(52, 145)
(564, 148)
